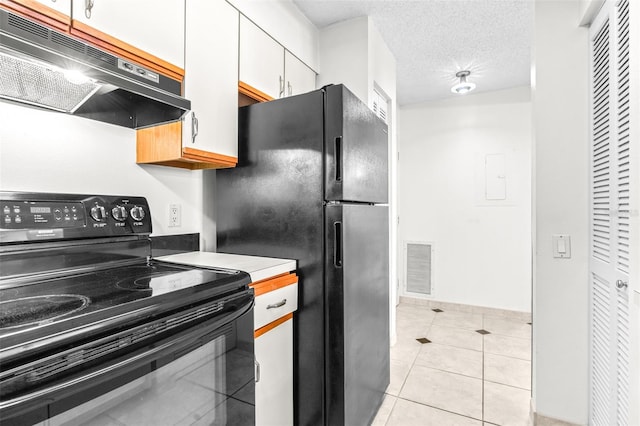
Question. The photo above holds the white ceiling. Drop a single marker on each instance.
(433, 39)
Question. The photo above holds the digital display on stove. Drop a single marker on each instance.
(40, 209)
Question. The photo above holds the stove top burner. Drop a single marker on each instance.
(31, 309)
(37, 310)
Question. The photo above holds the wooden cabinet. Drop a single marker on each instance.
(267, 70)
(276, 300)
(143, 24)
(207, 136)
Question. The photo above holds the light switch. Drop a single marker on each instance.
(561, 246)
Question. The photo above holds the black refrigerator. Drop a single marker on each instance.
(312, 185)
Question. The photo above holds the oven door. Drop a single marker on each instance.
(203, 375)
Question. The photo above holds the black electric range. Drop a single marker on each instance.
(76, 272)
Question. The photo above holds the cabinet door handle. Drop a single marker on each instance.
(621, 284)
(88, 5)
(257, 364)
(281, 94)
(290, 87)
(277, 305)
(194, 127)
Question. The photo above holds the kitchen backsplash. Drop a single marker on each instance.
(163, 245)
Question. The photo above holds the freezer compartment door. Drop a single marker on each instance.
(357, 306)
(356, 149)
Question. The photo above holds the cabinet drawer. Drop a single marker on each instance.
(276, 303)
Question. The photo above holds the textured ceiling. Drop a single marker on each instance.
(433, 39)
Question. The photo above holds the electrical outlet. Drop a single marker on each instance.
(174, 215)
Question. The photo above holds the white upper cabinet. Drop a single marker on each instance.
(144, 24)
(211, 77)
(299, 78)
(62, 6)
(267, 66)
(261, 60)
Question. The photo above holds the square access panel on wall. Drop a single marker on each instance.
(418, 270)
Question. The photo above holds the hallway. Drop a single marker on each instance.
(450, 367)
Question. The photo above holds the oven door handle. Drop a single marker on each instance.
(174, 345)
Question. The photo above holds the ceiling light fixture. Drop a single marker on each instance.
(463, 86)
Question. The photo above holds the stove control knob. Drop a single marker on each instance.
(98, 214)
(119, 213)
(137, 213)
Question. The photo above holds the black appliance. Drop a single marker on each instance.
(311, 184)
(94, 331)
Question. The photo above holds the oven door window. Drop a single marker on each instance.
(210, 382)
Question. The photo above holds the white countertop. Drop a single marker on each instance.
(259, 268)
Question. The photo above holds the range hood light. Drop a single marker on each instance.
(76, 77)
(36, 83)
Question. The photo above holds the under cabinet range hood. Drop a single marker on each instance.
(49, 69)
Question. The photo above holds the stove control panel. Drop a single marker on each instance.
(43, 216)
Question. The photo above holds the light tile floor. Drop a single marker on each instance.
(460, 377)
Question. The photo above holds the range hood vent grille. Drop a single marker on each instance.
(67, 42)
(102, 56)
(43, 67)
(28, 26)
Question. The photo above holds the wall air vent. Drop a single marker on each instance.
(418, 268)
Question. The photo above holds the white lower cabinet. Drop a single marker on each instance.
(274, 376)
(276, 300)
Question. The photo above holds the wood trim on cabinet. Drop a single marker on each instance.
(252, 92)
(39, 12)
(273, 283)
(199, 155)
(163, 145)
(120, 48)
(159, 143)
(265, 329)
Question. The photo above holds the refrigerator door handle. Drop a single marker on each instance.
(338, 157)
(337, 247)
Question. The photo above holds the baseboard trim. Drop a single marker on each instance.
(540, 420)
(503, 313)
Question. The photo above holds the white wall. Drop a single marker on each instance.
(344, 56)
(382, 77)
(45, 151)
(560, 299)
(283, 21)
(482, 248)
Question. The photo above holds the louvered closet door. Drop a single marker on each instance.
(612, 242)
